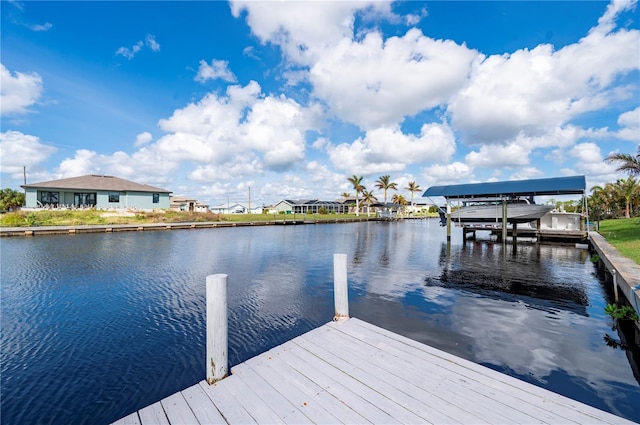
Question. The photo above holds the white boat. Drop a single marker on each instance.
(488, 213)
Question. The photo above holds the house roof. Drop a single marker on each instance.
(574, 185)
(96, 182)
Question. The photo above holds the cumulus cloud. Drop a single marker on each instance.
(441, 174)
(18, 150)
(589, 160)
(533, 91)
(143, 139)
(131, 52)
(389, 149)
(630, 126)
(218, 129)
(18, 91)
(218, 69)
(302, 29)
(509, 155)
(377, 82)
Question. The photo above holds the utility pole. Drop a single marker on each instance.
(249, 200)
(24, 174)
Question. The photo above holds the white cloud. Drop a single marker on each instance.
(510, 155)
(589, 160)
(129, 53)
(526, 173)
(630, 123)
(389, 149)
(303, 28)
(143, 139)
(454, 173)
(18, 91)
(378, 82)
(534, 91)
(84, 162)
(18, 150)
(217, 69)
(41, 27)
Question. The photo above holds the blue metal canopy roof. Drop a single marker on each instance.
(574, 185)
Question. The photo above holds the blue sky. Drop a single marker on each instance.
(209, 98)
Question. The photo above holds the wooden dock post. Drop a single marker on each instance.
(340, 289)
(448, 221)
(615, 284)
(217, 328)
(504, 221)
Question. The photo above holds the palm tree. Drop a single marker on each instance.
(628, 163)
(358, 187)
(345, 195)
(413, 187)
(627, 190)
(369, 198)
(384, 184)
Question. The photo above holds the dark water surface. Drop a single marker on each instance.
(96, 326)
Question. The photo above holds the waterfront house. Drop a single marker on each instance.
(237, 208)
(95, 191)
(313, 206)
(185, 203)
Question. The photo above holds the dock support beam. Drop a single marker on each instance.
(448, 221)
(340, 289)
(217, 328)
(504, 221)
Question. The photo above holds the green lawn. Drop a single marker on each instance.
(624, 234)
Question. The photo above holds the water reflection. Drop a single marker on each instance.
(127, 310)
(486, 268)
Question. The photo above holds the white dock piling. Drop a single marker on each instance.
(615, 284)
(217, 328)
(340, 290)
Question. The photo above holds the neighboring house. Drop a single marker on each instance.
(95, 191)
(238, 208)
(313, 206)
(184, 203)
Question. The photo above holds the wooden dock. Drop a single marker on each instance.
(353, 372)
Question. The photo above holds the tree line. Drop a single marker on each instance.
(383, 183)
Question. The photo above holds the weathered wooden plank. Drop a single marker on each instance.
(153, 415)
(338, 384)
(391, 387)
(203, 408)
(252, 403)
(227, 405)
(131, 419)
(294, 389)
(280, 404)
(560, 406)
(328, 401)
(178, 410)
(447, 388)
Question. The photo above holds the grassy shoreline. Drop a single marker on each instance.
(94, 217)
(624, 235)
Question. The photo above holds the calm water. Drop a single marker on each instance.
(97, 326)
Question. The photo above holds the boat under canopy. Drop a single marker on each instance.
(516, 213)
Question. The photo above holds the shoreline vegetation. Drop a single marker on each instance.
(97, 217)
(623, 233)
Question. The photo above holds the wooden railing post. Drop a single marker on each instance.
(217, 328)
(340, 290)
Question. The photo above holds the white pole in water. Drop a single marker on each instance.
(615, 284)
(340, 290)
(217, 328)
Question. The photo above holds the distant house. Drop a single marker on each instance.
(95, 191)
(237, 208)
(184, 203)
(312, 206)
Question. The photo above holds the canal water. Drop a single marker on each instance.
(96, 326)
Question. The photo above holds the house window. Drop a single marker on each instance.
(156, 198)
(51, 198)
(84, 199)
(114, 196)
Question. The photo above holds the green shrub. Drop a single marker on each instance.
(624, 312)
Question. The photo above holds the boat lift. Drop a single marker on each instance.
(505, 190)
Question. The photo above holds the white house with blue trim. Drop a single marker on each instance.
(95, 191)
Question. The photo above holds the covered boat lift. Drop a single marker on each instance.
(504, 191)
